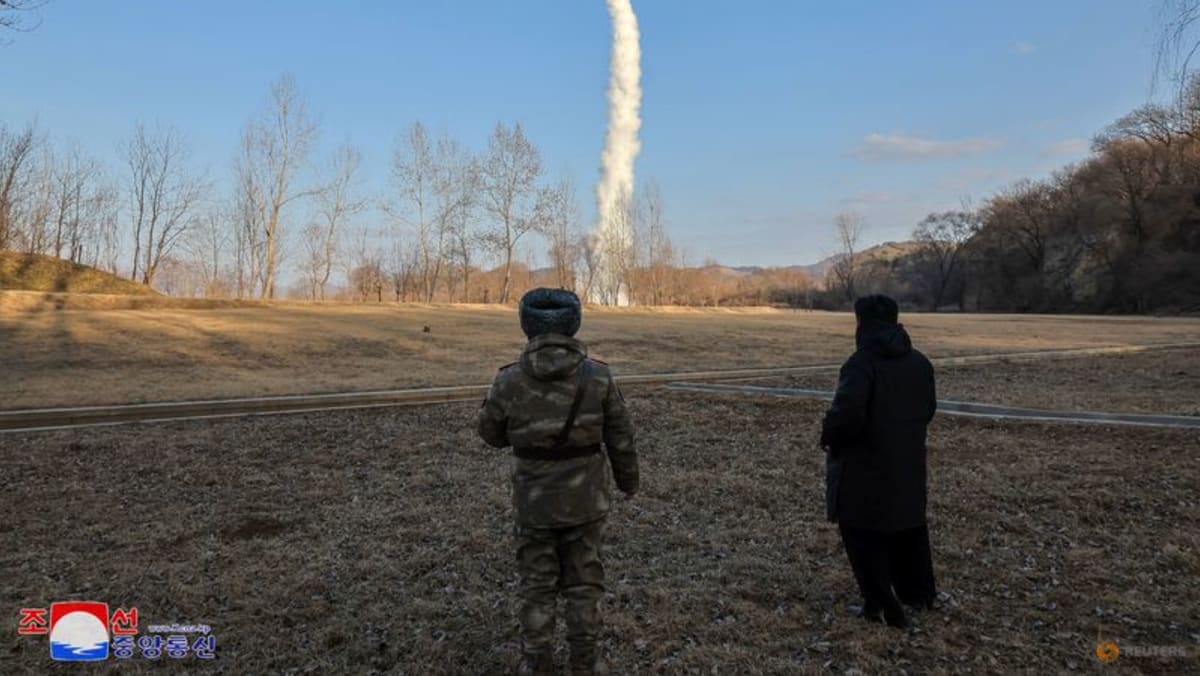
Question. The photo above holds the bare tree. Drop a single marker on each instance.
(1152, 123)
(95, 209)
(1186, 112)
(16, 157)
(34, 205)
(275, 148)
(941, 237)
(510, 173)
(589, 255)
(368, 279)
(414, 174)
(1071, 240)
(208, 246)
(336, 202)
(248, 214)
(163, 195)
(108, 229)
(76, 182)
(659, 253)
(464, 239)
(366, 273)
(1026, 210)
(313, 262)
(848, 228)
(181, 277)
(436, 187)
(1177, 42)
(402, 271)
(1131, 180)
(615, 254)
(15, 15)
(455, 187)
(560, 214)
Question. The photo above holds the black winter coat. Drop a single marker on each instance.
(874, 433)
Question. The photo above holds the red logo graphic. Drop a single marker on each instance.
(124, 623)
(33, 621)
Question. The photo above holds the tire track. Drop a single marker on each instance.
(43, 419)
(971, 409)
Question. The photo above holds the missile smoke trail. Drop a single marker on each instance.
(621, 146)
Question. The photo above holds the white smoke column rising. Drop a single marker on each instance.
(615, 188)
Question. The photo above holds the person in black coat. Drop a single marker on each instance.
(875, 484)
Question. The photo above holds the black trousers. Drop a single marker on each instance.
(891, 568)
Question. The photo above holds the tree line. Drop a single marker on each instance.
(1116, 232)
(453, 225)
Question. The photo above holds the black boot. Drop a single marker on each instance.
(585, 661)
(538, 664)
(893, 617)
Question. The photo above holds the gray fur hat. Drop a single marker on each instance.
(550, 311)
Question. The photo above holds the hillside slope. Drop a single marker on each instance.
(35, 272)
(888, 251)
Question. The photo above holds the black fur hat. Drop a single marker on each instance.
(550, 311)
(876, 308)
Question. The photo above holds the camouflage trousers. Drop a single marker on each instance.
(564, 561)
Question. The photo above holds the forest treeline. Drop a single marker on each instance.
(1116, 232)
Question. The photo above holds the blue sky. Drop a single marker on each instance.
(760, 120)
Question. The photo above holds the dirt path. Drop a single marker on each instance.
(89, 416)
(970, 408)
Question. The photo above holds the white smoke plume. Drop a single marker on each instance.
(614, 191)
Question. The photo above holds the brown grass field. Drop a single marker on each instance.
(1162, 382)
(379, 541)
(101, 356)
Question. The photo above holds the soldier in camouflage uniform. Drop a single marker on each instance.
(560, 483)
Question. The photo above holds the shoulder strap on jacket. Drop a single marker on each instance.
(585, 374)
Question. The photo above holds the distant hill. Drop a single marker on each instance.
(35, 272)
(888, 251)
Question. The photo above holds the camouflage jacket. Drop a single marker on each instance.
(526, 408)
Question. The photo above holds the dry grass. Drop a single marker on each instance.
(35, 272)
(1165, 382)
(379, 541)
(76, 357)
(1162, 382)
(28, 302)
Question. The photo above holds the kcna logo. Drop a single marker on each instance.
(79, 630)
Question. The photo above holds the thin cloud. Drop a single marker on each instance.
(1022, 48)
(880, 147)
(1071, 146)
(865, 197)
